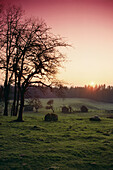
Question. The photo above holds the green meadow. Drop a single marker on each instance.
(73, 142)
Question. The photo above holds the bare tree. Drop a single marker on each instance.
(10, 22)
(32, 55)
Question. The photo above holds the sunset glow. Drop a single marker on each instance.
(88, 26)
(92, 84)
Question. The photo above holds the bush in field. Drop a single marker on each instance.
(50, 105)
(51, 117)
(36, 103)
(28, 108)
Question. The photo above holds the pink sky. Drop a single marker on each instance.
(88, 26)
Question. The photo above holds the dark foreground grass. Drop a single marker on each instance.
(71, 143)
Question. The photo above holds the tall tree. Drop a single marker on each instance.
(10, 23)
(40, 57)
(30, 54)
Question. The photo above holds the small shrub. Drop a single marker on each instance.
(35, 103)
(51, 117)
(50, 102)
(28, 108)
(50, 105)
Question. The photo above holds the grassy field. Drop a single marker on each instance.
(74, 142)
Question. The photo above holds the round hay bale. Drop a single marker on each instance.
(51, 117)
(65, 109)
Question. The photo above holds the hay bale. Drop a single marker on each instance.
(65, 109)
(95, 118)
(84, 109)
(110, 116)
(51, 117)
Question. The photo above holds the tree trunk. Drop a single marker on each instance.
(17, 105)
(13, 110)
(18, 95)
(6, 98)
(20, 115)
(6, 85)
(6, 106)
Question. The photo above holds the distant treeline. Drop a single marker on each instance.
(98, 93)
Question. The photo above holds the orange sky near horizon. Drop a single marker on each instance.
(88, 26)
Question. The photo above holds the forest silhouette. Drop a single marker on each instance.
(100, 93)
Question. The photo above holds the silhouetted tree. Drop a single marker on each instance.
(30, 54)
(9, 23)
